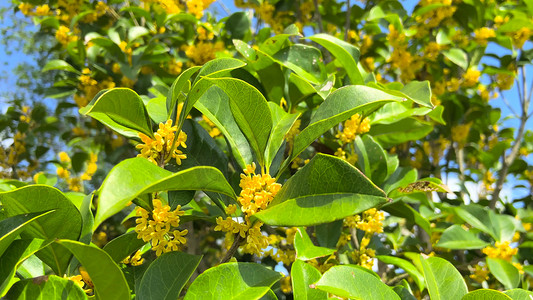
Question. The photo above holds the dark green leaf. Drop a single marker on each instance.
(11, 227)
(123, 246)
(46, 287)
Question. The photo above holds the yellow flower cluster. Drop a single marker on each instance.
(10, 158)
(323, 266)
(471, 77)
(434, 17)
(202, 52)
(210, 127)
(370, 222)
(257, 190)
(134, 260)
(78, 280)
(282, 249)
(65, 36)
(500, 250)
(25, 116)
(197, 7)
(488, 181)
(75, 184)
(520, 36)
(481, 35)
(99, 10)
(40, 11)
(505, 81)
(460, 133)
(160, 227)
(286, 286)
(352, 127)
(481, 273)
(364, 256)
(293, 132)
(87, 92)
(205, 32)
(162, 148)
(174, 67)
(351, 158)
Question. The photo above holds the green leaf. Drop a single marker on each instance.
(485, 294)
(238, 25)
(303, 275)
(177, 87)
(58, 64)
(458, 57)
(109, 281)
(166, 276)
(250, 110)
(123, 246)
(11, 227)
(500, 227)
(305, 250)
(403, 210)
(442, 279)
(339, 106)
(14, 255)
(324, 190)
(352, 282)
(519, 294)
(282, 122)
(456, 238)
(220, 65)
(371, 159)
(328, 234)
(505, 272)
(306, 61)
(214, 104)
(401, 177)
(408, 129)
(46, 287)
(419, 92)
(136, 176)
(65, 222)
(345, 53)
(406, 266)
(122, 110)
(136, 32)
(157, 110)
(233, 281)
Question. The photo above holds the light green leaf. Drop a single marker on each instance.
(401, 177)
(219, 65)
(324, 190)
(500, 227)
(372, 159)
(458, 57)
(214, 104)
(46, 287)
(505, 272)
(347, 54)
(442, 279)
(109, 281)
(306, 61)
(58, 64)
(352, 282)
(408, 129)
(406, 266)
(157, 109)
(11, 227)
(303, 275)
(166, 276)
(136, 176)
(122, 110)
(123, 246)
(485, 294)
(305, 249)
(456, 238)
(519, 294)
(282, 122)
(233, 281)
(65, 222)
(419, 92)
(177, 87)
(339, 106)
(136, 32)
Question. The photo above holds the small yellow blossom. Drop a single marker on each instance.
(352, 127)
(500, 250)
(481, 35)
(63, 157)
(162, 148)
(370, 222)
(134, 260)
(481, 273)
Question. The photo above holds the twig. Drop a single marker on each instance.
(236, 242)
(395, 279)
(355, 241)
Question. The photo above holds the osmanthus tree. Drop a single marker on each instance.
(200, 157)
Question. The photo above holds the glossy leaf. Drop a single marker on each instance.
(122, 110)
(483, 294)
(65, 222)
(443, 281)
(305, 249)
(519, 294)
(166, 276)
(339, 106)
(123, 246)
(136, 176)
(306, 61)
(324, 190)
(11, 227)
(406, 266)
(233, 281)
(458, 57)
(371, 159)
(352, 282)
(109, 281)
(46, 287)
(419, 92)
(504, 271)
(303, 275)
(58, 64)
(408, 129)
(456, 238)
(177, 87)
(282, 123)
(345, 53)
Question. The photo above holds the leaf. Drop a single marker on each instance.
(123, 246)
(11, 227)
(122, 110)
(238, 25)
(425, 185)
(65, 222)
(14, 255)
(408, 129)
(500, 227)
(306, 61)
(58, 64)
(46, 287)
(328, 234)
(177, 87)
(166, 276)
(484, 294)
(458, 57)
(371, 159)
(519, 294)
(324, 190)
(250, 110)
(419, 92)
(303, 275)
(505, 272)
(456, 238)
(136, 176)
(157, 110)
(406, 266)
(109, 281)
(136, 32)
(282, 123)
(345, 53)
(351, 281)
(339, 106)
(220, 65)
(401, 177)
(233, 281)
(443, 281)
(305, 250)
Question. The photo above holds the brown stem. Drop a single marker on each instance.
(355, 241)
(236, 242)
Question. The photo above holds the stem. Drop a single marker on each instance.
(355, 241)
(236, 242)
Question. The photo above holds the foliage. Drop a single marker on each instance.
(311, 137)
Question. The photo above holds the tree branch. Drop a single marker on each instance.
(236, 242)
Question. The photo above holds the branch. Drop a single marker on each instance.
(236, 242)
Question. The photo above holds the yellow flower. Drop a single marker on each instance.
(63, 157)
(134, 260)
(286, 284)
(520, 36)
(481, 35)
(162, 148)
(500, 250)
(257, 190)
(471, 77)
(352, 127)
(63, 173)
(481, 273)
(460, 133)
(370, 222)
(26, 8)
(64, 36)
(42, 10)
